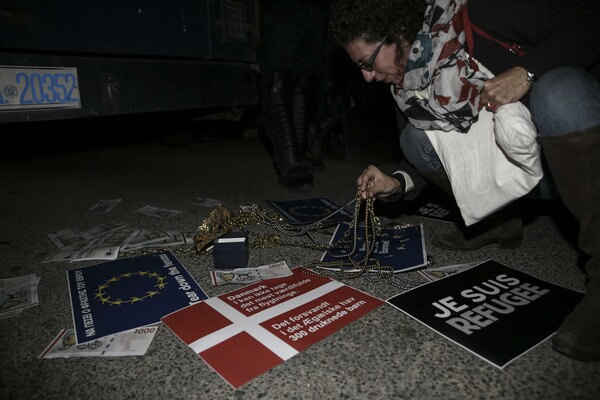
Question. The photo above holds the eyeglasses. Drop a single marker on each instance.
(368, 65)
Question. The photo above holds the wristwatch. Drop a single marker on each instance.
(530, 80)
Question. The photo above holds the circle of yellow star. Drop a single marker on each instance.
(102, 296)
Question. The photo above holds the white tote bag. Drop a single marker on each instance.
(495, 163)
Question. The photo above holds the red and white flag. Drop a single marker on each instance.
(243, 333)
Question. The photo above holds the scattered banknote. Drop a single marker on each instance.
(64, 254)
(249, 275)
(103, 229)
(107, 241)
(158, 212)
(436, 273)
(134, 342)
(104, 206)
(149, 239)
(206, 202)
(12, 313)
(145, 239)
(17, 294)
(104, 248)
(67, 237)
(101, 242)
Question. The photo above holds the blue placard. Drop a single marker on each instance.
(309, 211)
(128, 293)
(400, 247)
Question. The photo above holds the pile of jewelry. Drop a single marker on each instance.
(221, 221)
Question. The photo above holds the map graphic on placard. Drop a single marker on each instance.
(400, 247)
(128, 293)
(308, 211)
(244, 333)
(494, 311)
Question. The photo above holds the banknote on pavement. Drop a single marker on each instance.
(134, 342)
(104, 206)
(248, 275)
(158, 212)
(17, 294)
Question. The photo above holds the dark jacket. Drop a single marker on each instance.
(553, 33)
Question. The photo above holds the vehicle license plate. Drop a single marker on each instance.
(33, 88)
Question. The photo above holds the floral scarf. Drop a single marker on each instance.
(440, 89)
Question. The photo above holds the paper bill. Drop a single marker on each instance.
(96, 253)
(249, 275)
(206, 202)
(179, 238)
(101, 243)
(105, 247)
(158, 212)
(65, 254)
(67, 237)
(104, 206)
(144, 239)
(103, 229)
(134, 342)
(12, 313)
(114, 238)
(436, 273)
(159, 239)
(17, 294)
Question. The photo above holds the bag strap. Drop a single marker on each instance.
(469, 38)
(470, 27)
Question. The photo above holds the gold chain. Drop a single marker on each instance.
(346, 267)
(221, 221)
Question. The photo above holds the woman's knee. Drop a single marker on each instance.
(564, 100)
(407, 141)
(554, 87)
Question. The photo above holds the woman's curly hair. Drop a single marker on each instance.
(371, 20)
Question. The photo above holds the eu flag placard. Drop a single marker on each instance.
(309, 211)
(128, 293)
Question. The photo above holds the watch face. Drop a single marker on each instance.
(530, 79)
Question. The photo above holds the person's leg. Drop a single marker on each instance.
(307, 73)
(565, 100)
(418, 150)
(294, 173)
(281, 34)
(566, 108)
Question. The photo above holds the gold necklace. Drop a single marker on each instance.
(371, 269)
(221, 221)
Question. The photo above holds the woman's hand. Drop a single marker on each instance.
(374, 183)
(507, 87)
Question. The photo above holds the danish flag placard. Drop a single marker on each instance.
(244, 333)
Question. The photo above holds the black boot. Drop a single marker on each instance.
(574, 160)
(305, 122)
(504, 227)
(293, 171)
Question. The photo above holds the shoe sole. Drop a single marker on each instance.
(574, 354)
